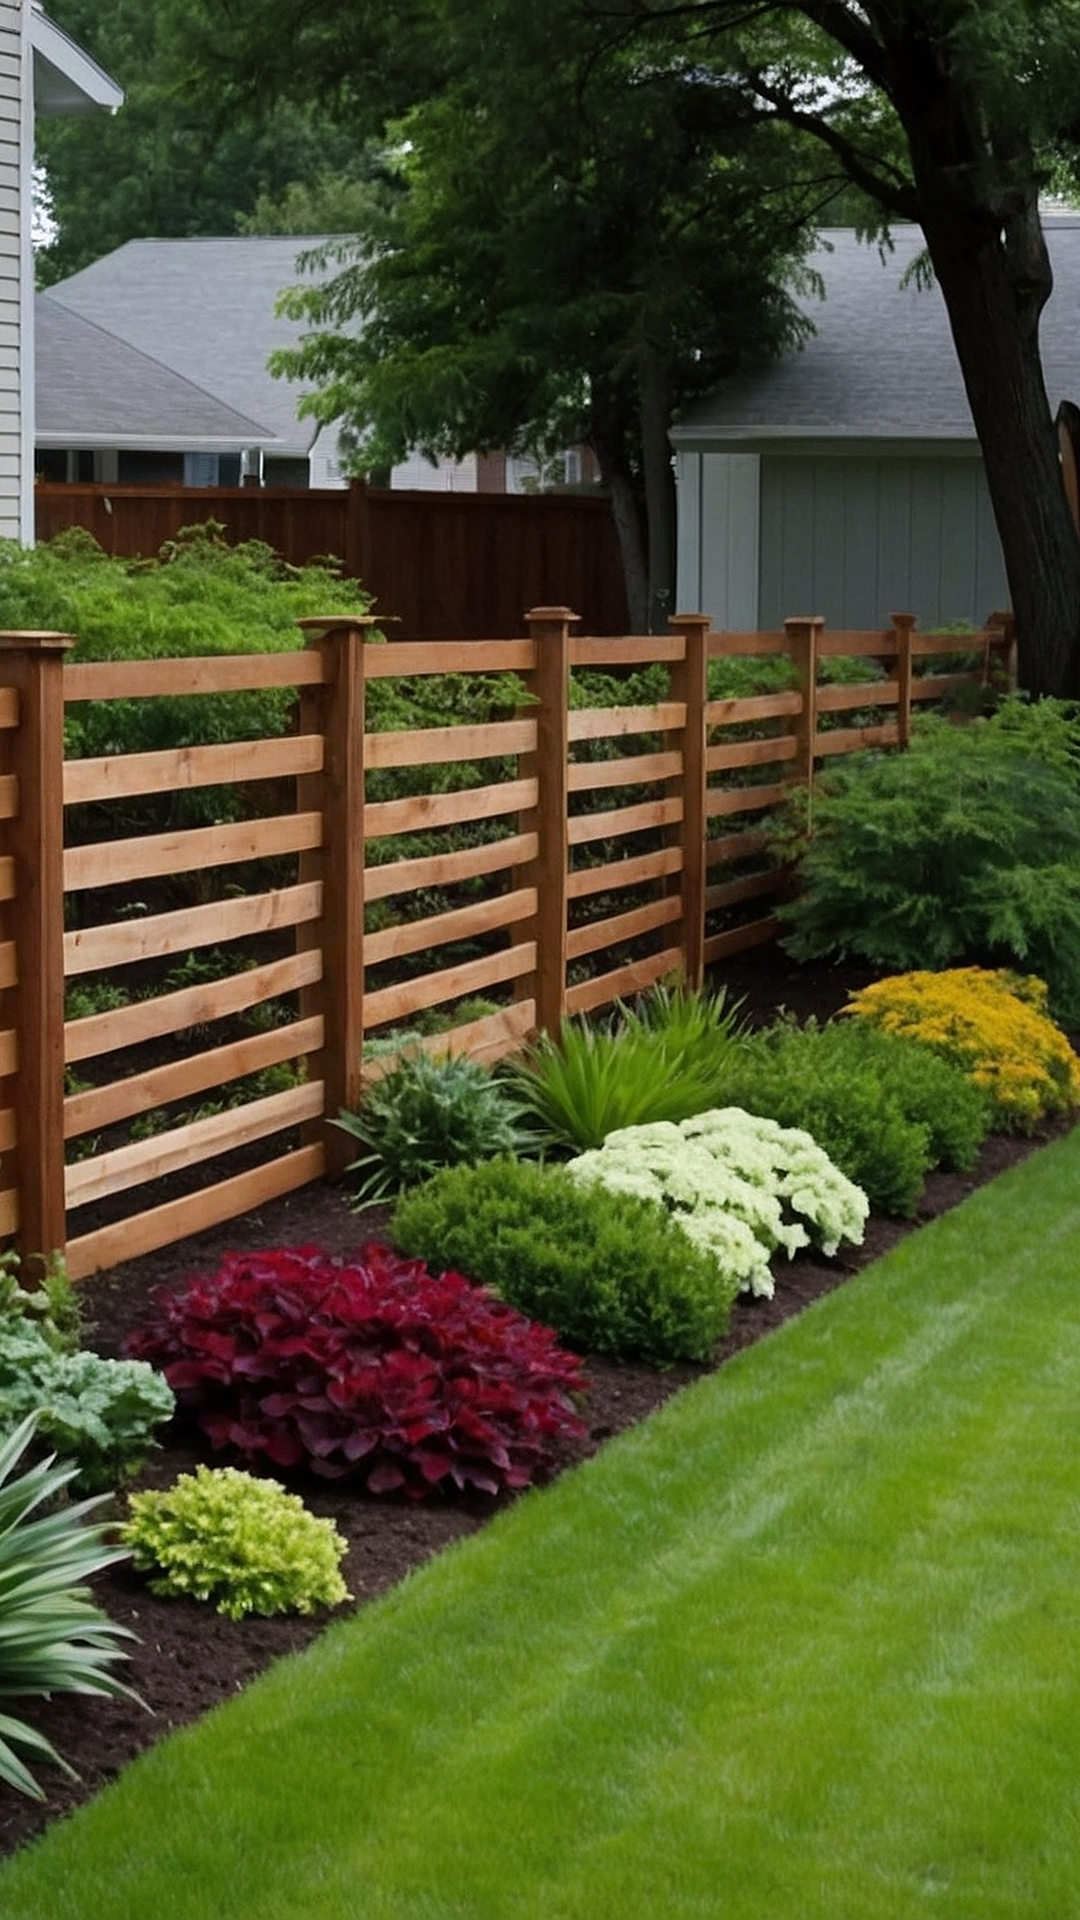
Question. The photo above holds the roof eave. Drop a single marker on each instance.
(154, 442)
(716, 438)
(66, 79)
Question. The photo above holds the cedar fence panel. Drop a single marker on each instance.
(597, 850)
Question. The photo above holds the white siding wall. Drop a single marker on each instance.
(856, 539)
(718, 509)
(442, 476)
(12, 268)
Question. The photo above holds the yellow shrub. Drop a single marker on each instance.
(994, 1025)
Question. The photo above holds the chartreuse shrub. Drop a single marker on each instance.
(245, 1544)
(665, 1061)
(883, 1108)
(609, 1271)
(368, 1367)
(966, 847)
(994, 1026)
(53, 1639)
(737, 1186)
(100, 1413)
(429, 1111)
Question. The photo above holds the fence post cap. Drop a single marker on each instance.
(34, 641)
(684, 619)
(553, 613)
(331, 622)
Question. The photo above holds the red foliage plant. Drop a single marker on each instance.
(370, 1367)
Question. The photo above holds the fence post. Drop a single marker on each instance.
(33, 663)
(550, 628)
(690, 684)
(1001, 629)
(803, 637)
(903, 625)
(339, 790)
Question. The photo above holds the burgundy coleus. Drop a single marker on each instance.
(370, 1366)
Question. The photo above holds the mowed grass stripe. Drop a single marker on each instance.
(804, 1644)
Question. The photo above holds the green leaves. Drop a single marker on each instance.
(53, 1639)
(429, 1111)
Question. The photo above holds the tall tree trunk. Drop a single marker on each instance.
(655, 392)
(609, 445)
(995, 277)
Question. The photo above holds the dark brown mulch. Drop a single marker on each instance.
(189, 1658)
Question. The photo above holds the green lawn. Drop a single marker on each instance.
(803, 1647)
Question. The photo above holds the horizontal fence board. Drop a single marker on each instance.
(855, 739)
(9, 795)
(118, 943)
(726, 646)
(612, 723)
(394, 658)
(464, 923)
(753, 886)
(743, 799)
(923, 644)
(9, 707)
(9, 1053)
(751, 753)
(178, 768)
(9, 970)
(488, 1038)
(434, 746)
(633, 770)
(169, 1013)
(7, 877)
(104, 1106)
(9, 1211)
(740, 939)
(110, 862)
(452, 983)
(584, 827)
(867, 693)
(751, 706)
(165, 1153)
(625, 650)
(446, 869)
(226, 1200)
(8, 1134)
(622, 926)
(634, 978)
(206, 673)
(623, 873)
(736, 846)
(851, 643)
(938, 686)
(423, 811)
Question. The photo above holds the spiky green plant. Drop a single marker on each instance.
(53, 1639)
(430, 1111)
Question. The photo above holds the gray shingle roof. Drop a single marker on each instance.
(882, 363)
(93, 389)
(204, 308)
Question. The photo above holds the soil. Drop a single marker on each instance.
(188, 1658)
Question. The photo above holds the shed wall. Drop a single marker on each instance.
(718, 507)
(11, 266)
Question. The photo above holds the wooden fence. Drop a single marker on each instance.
(588, 853)
(442, 563)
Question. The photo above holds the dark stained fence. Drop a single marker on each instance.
(447, 564)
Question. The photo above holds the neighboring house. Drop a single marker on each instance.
(846, 480)
(202, 312)
(42, 71)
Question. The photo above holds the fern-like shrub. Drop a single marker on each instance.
(665, 1060)
(964, 848)
(609, 1271)
(370, 1367)
(429, 1111)
(245, 1544)
(737, 1186)
(994, 1026)
(884, 1109)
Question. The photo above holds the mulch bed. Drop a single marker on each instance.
(188, 1658)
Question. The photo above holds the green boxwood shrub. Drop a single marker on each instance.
(219, 1534)
(609, 1272)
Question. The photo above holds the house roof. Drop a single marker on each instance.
(94, 390)
(881, 364)
(204, 308)
(66, 79)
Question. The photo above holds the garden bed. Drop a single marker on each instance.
(189, 1658)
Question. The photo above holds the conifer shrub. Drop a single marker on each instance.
(611, 1272)
(370, 1367)
(994, 1025)
(246, 1545)
(964, 848)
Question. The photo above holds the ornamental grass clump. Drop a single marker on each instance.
(992, 1024)
(369, 1367)
(738, 1186)
(244, 1544)
(429, 1111)
(609, 1271)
